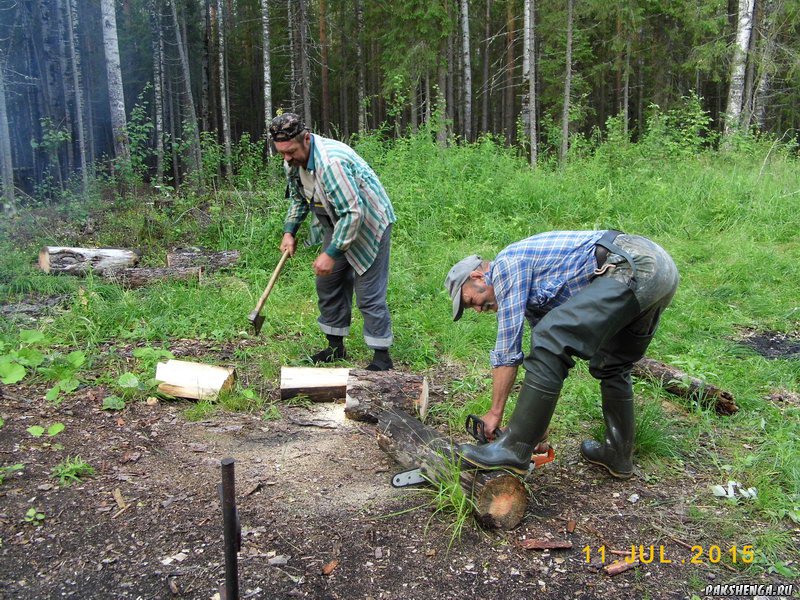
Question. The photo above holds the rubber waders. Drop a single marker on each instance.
(513, 448)
(616, 453)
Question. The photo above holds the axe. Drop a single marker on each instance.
(256, 318)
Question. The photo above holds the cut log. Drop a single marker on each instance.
(142, 276)
(199, 381)
(369, 392)
(365, 392)
(499, 497)
(318, 385)
(77, 261)
(195, 257)
(681, 384)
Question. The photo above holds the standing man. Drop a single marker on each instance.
(328, 178)
(597, 295)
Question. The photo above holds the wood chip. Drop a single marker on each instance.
(571, 525)
(130, 456)
(253, 489)
(542, 544)
(120, 500)
(328, 568)
(619, 566)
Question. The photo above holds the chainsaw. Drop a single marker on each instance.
(477, 429)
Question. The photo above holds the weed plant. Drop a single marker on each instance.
(729, 218)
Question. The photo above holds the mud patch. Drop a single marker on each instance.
(30, 310)
(772, 344)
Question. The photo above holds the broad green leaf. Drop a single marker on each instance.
(76, 358)
(55, 429)
(113, 403)
(30, 357)
(69, 385)
(52, 393)
(30, 336)
(35, 430)
(782, 569)
(128, 380)
(2, 421)
(11, 372)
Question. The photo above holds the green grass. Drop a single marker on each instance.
(730, 219)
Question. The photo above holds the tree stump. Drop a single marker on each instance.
(78, 261)
(499, 497)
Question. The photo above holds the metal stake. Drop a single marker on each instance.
(233, 532)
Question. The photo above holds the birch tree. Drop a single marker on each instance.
(467, 69)
(305, 69)
(223, 85)
(323, 44)
(567, 86)
(530, 38)
(116, 94)
(157, 47)
(744, 30)
(6, 164)
(361, 92)
(187, 83)
(74, 52)
(265, 41)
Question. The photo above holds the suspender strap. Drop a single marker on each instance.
(607, 242)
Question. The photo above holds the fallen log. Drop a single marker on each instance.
(364, 392)
(184, 379)
(499, 497)
(369, 392)
(142, 276)
(195, 257)
(681, 384)
(77, 261)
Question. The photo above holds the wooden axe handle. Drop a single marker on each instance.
(271, 283)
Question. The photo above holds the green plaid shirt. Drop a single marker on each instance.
(352, 196)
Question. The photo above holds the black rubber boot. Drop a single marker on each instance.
(616, 453)
(381, 361)
(528, 426)
(334, 351)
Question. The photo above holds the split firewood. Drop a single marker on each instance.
(78, 261)
(142, 276)
(199, 381)
(545, 544)
(681, 384)
(196, 257)
(364, 391)
(499, 497)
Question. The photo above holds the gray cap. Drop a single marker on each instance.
(457, 277)
(285, 127)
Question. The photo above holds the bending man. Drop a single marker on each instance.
(596, 295)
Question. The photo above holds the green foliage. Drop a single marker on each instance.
(7, 470)
(72, 470)
(34, 517)
(450, 501)
(52, 431)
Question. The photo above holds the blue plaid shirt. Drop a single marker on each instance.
(535, 275)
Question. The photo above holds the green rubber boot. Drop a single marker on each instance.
(616, 453)
(528, 425)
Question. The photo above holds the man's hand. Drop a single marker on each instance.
(323, 265)
(288, 243)
(491, 421)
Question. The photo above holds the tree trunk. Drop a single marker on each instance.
(158, 89)
(467, 66)
(116, 94)
(266, 54)
(767, 51)
(58, 259)
(371, 392)
(187, 82)
(223, 86)
(294, 55)
(6, 164)
(72, 37)
(500, 498)
(305, 69)
(210, 261)
(205, 68)
(361, 93)
(530, 35)
(681, 384)
(567, 86)
(738, 64)
(626, 88)
(323, 44)
(441, 103)
(487, 87)
(509, 89)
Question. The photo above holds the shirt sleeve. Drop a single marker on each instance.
(342, 190)
(511, 289)
(298, 207)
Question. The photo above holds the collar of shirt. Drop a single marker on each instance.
(310, 165)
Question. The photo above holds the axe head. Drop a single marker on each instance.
(257, 319)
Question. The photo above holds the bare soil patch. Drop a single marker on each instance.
(772, 344)
(312, 488)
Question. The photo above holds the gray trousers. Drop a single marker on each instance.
(335, 294)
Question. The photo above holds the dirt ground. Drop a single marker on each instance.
(319, 517)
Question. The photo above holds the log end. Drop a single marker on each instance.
(44, 259)
(502, 501)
